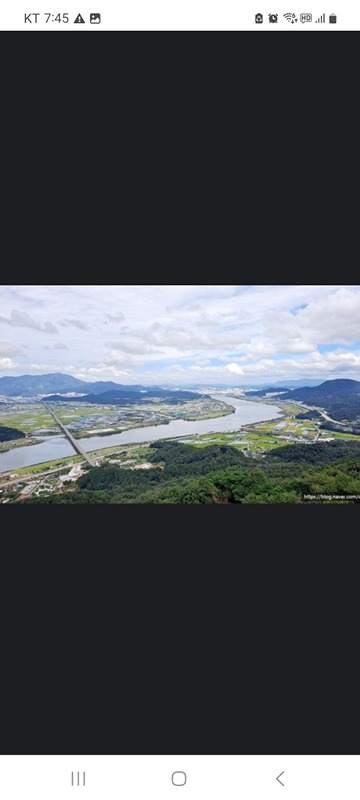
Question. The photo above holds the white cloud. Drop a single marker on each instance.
(235, 369)
(20, 319)
(7, 364)
(153, 333)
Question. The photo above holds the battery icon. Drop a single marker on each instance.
(333, 18)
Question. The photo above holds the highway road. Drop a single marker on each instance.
(326, 416)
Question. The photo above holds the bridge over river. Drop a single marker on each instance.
(76, 445)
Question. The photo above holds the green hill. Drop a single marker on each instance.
(340, 398)
(10, 434)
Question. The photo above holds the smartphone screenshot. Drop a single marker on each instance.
(181, 15)
(179, 482)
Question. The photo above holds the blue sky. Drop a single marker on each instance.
(230, 334)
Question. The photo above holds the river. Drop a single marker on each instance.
(56, 447)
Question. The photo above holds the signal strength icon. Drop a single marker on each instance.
(321, 18)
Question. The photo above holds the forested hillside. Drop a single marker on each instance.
(10, 434)
(183, 474)
(340, 398)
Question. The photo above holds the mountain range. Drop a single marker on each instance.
(55, 388)
(310, 394)
(340, 398)
(59, 383)
(33, 385)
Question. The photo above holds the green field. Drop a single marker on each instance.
(289, 407)
(31, 417)
(338, 435)
(27, 419)
(262, 436)
(68, 414)
(241, 441)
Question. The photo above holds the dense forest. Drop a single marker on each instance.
(332, 426)
(320, 453)
(309, 415)
(10, 434)
(183, 474)
(346, 409)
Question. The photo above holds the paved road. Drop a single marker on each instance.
(76, 445)
(326, 416)
(323, 413)
(329, 419)
(31, 477)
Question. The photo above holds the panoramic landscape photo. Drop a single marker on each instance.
(180, 394)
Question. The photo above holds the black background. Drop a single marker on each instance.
(179, 630)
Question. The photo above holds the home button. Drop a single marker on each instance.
(179, 778)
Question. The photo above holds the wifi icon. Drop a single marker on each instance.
(291, 18)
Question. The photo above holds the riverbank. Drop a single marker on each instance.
(17, 443)
(58, 447)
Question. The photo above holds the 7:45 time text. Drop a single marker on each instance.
(36, 17)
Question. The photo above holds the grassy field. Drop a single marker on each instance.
(27, 418)
(242, 441)
(68, 414)
(338, 435)
(290, 408)
(33, 416)
(200, 417)
(263, 436)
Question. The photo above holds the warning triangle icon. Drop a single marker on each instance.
(79, 19)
